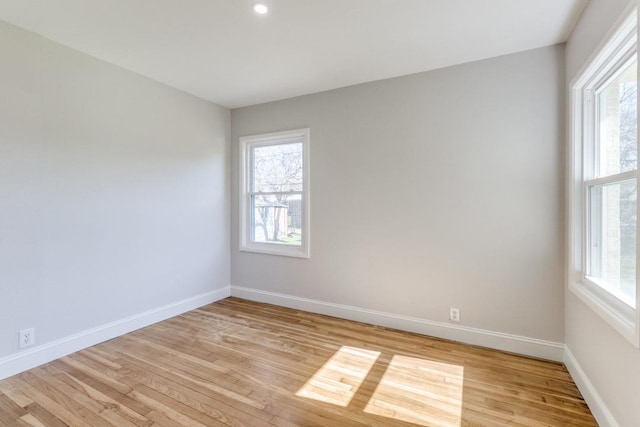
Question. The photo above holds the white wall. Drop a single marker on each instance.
(113, 192)
(608, 360)
(428, 191)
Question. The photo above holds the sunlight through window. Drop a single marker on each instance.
(419, 391)
(339, 379)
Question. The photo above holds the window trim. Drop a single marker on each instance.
(274, 138)
(615, 51)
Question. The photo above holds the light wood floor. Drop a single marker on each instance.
(241, 363)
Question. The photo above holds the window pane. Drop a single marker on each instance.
(618, 119)
(277, 219)
(277, 168)
(612, 246)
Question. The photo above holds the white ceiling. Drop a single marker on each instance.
(221, 51)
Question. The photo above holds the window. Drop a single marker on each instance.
(274, 195)
(604, 201)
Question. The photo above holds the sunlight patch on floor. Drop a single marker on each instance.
(419, 391)
(338, 380)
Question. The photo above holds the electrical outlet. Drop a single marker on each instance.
(27, 337)
(454, 314)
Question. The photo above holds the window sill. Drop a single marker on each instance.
(619, 316)
(275, 249)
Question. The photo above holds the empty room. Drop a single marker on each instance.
(319, 213)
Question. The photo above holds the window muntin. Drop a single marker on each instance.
(274, 193)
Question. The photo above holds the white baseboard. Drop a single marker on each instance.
(597, 406)
(497, 340)
(25, 360)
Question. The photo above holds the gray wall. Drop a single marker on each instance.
(610, 362)
(113, 192)
(428, 191)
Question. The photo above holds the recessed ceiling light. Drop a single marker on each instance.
(260, 8)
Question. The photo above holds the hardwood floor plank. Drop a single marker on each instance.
(217, 406)
(242, 363)
(30, 420)
(170, 408)
(45, 417)
(9, 406)
(98, 404)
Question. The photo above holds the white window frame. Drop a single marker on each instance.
(275, 138)
(616, 51)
